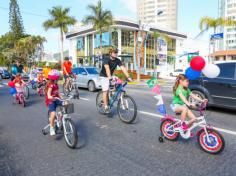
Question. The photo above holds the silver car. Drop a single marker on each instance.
(88, 77)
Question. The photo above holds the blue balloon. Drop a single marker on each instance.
(192, 74)
(12, 91)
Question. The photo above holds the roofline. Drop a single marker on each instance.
(125, 23)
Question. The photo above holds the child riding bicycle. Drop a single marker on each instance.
(51, 95)
(40, 80)
(180, 104)
(19, 83)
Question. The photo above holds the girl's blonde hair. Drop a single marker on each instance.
(181, 77)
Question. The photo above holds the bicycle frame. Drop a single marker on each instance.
(201, 122)
(117, 94)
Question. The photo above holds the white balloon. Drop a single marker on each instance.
(211, 71)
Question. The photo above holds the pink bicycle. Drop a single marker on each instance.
(209, 139)
(19, 96)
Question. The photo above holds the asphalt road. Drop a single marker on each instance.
(107, 147)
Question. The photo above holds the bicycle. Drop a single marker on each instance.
(209, 139)
(41, 88)
(125, 103)
(19, 96)
(72, 86)
(64, 123)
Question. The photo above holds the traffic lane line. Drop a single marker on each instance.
(216, 128)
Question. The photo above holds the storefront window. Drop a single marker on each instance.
(127, 38)
(151, 52)
(80, 47)
(80, 44)
(106, 40)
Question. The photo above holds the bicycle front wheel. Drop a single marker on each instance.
(66, 90)
(214, 144)
(127, 109)
(70, 133)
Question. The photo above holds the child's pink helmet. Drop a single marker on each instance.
(54, 75)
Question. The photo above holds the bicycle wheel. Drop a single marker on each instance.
(216, 143)
(100, 104)
(26, 92)
(67, 90)
(70, 133)
(167, 130)
(127, 109)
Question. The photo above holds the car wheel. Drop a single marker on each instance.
(91, 86)
(198, 94)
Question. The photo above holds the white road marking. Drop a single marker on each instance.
(85, 99)
(217, 128)
(1, 85)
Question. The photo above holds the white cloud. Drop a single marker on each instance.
(130, 5)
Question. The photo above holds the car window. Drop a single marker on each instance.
(227, 71)
(92, 71)
(81, 70)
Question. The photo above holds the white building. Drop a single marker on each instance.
(161, 12)
(227, 9)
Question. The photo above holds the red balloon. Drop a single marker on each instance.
(197, 63)
(11, 84)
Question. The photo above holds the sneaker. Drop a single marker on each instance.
(107, 110)
(184, 126)
(52, 131)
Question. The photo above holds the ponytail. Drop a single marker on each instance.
(181, 77)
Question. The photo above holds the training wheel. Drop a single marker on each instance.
(161, 139)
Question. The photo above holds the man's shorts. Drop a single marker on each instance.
(68, 76)
(53, 106)
(104, 83)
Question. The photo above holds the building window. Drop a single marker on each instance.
(80, 44)
(114, 38)
(106, 40)
(127, 38)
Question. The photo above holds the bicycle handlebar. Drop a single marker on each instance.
(63, 100)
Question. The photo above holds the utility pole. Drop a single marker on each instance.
(138, 44)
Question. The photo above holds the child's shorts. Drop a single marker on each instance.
(53, 106)
(175, 106)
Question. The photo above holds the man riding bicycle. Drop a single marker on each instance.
(67, 71)
(109, 64)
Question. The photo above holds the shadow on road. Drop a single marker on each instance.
(82, 133)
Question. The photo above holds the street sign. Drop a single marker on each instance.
(217, 36)
(191, 55)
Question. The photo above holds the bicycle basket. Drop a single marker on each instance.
(69, 108)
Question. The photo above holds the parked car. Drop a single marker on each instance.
(88, 77)
(220, 91)
(177, 72)
(5, 74)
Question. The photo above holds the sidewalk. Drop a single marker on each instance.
(161, 81)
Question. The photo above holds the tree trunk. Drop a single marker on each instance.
(62, 48)
(101, 42)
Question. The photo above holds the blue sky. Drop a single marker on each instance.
(190, 12)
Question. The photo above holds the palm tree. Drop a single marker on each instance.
(60, 19)
(207, 23)
(100, 19)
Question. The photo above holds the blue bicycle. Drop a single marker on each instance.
(126, 106)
